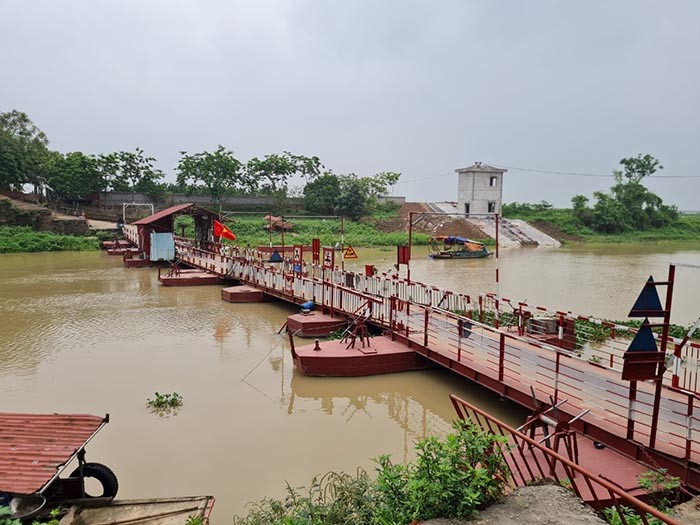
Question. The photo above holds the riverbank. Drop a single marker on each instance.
(562, 225)
(23, 239)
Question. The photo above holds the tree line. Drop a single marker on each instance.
(26, 159)
(628, 206)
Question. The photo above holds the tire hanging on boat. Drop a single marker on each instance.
(101, 473)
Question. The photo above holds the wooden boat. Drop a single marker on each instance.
(36, 450)
(451, 247)
(161, 511)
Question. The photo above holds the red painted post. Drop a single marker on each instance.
(460, 327)
(410, 241)
(664, 346)
(425, 328)
(632, 409)
(502, 357)
(688, 440)
(498, 290)
(391, 317)
(556, 378)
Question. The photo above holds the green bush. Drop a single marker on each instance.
(5, 518)
(18, 239)
(684, 228)
(451, 478)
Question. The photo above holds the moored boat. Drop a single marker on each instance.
(452, 247)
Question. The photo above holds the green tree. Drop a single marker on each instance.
(322, 195)
(73, 176)
(353, 198)
(219, 172)
(636, 168)
(582, 212)
(308, 167)
(11, 161)
(609, 215)
(347, 195)
(131, 171)
(380, 184)
(629, 205)
(23, 151)
(269, 174)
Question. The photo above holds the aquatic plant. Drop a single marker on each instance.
(164, 403)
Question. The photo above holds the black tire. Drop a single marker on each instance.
(101, 473)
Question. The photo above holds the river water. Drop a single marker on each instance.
(81, 334)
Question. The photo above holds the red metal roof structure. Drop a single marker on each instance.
(164, 213)
(34, 448)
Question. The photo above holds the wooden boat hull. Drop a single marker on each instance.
(314, 324)
(460, 255)
(335, 359)
(164, 511)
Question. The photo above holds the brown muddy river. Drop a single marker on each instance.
(81, 334)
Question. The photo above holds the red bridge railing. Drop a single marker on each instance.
(529, 461)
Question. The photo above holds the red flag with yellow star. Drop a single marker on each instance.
(222, 231)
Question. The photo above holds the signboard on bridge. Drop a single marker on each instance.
(350, 253)
(328, 258)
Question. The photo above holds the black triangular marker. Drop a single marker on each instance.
(648, 303)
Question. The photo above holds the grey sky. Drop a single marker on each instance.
(416, 87)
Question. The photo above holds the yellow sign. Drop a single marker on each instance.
(350, 253)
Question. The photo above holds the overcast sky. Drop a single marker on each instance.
(421, 88)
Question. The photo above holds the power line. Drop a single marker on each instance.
(554, 172)
(424, 178)
(579, 174)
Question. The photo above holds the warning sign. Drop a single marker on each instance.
(350, 253)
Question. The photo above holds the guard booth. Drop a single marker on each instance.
(156, 233)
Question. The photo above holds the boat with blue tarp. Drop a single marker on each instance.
(452, 247)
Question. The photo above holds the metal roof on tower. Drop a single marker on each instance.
(480, 166)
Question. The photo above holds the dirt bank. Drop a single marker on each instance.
(429, 224)
(542, 505)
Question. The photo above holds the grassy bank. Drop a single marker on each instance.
(454, 477)
(18, 239)
(249, 229)
(687, 227)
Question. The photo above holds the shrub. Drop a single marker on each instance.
(451, 478)
(18, 239)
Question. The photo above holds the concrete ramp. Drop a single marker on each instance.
(541, 238)
(513, 232)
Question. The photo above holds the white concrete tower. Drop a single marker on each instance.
(480, 189)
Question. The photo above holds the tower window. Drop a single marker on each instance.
(493, 182)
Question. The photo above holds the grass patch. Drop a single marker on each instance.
(249, 229)
(20, 239)
(687, 227)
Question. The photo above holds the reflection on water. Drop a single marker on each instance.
(81, 334)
